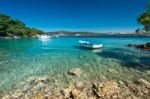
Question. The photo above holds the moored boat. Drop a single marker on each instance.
(43, 37)
(89, 45)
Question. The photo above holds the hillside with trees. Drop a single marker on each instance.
(10, 27)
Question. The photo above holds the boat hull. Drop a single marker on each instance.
(91, 46)
(86, 44)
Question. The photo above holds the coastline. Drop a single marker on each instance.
(17, 37)
(79, 34)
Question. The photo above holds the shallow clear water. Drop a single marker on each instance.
(22, 58)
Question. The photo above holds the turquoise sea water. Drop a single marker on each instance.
(23, 58)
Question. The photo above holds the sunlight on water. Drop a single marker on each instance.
(23, 58)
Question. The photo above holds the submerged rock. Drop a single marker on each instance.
(80, 85)
(113, 71)
(66, 92)
(76, 94)
(75, 71)
(102, 77)
(145, 46)
(73, 93)
(130, 45)
(148, 72)
(144, 82)
(38, 95)
(36, 80)
(106, 89)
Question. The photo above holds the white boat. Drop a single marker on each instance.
(43, 37)
(87, 44)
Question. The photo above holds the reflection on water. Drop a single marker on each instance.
(23, 58)
(97, 50)
(44, 42)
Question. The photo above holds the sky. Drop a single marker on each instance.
(76, 15)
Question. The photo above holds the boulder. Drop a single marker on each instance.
(72, 93)
(76, 94)
(130, 45)
(148, 44)
(106, 89)
(141, 46)
(144, 82)
(75, 71)
(66, 92)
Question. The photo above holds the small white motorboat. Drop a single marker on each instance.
(43, 37)
(89, 45)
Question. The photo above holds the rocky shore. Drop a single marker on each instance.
(39, 88)
(145, 46)
(8, 37)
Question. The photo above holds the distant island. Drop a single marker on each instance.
(70, 33)
(143, 19)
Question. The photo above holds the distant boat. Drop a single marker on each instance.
(89, 45)
(43, 37)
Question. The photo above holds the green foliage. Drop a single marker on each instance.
(148, 44)
(148, 7)
(137, 31)
(144, 18)
(14, 27)
(33, 31)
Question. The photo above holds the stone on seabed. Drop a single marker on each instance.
(79, 85)
(75, 71)
(66, 92)
(144, 82)
(106, 88)
(112, 71)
